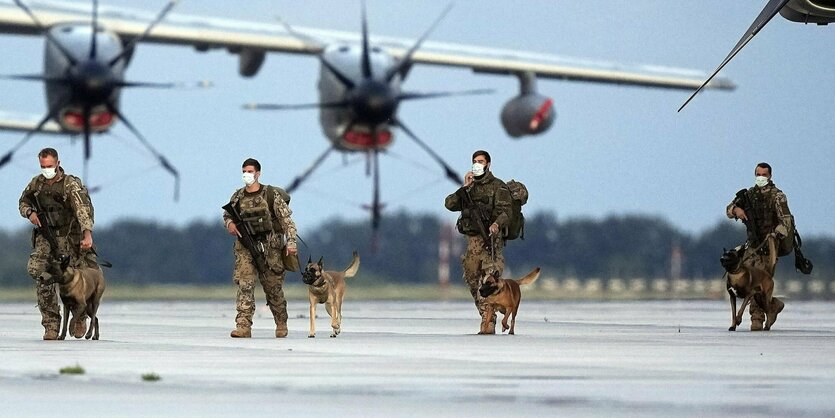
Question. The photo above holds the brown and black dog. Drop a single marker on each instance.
(327, 287)
(749, 283)
(503, 295)
(81, 290)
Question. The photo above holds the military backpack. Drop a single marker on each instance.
(516, 220)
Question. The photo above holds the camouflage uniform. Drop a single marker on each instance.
(70, 211)
(271, 225)
(494, 199)
(771, 211)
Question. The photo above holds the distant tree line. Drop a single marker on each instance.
(405, 250)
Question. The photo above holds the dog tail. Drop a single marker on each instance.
(530, 277)
(351, 271)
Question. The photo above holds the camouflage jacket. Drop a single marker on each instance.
(72, 208)
(771, 210)
(280, 212)
(490, 194)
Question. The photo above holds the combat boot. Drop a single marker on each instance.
(241, 332)
(777, 306)
(50, 334)
(757, 317)
(487, 327)
(280, 330)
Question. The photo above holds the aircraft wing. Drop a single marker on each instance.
(251, 38)
(25, 123)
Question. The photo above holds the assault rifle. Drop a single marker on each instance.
(480, 218)
(255, 248)
(46, 229)
(743, 201)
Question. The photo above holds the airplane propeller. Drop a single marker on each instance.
(771, 9)
(93, 82)
(374, 101)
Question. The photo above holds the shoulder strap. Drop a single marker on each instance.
(271, 195)
(237, 196)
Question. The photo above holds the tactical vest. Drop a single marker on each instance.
(257, 209)
(483, 197)
(764, 206)
(54, 202)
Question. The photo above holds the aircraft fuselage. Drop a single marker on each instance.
(377, 95)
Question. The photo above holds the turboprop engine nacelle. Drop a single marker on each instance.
(528, 114)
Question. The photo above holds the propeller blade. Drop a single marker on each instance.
(366, 53)
(298, 180)
(375, 203)
(94, 24)
(162, 160)
(51, 114)
(418, 96)
(85, 113)
(129, 84)
(35, 77)
(347, 82)
(61, 47)
(771, 9)
(129, 48)
(448, 171)
(317, 48)
(270, 106)
(406, 61)
(203, 84)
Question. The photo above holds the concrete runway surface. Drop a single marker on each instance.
(673, 358)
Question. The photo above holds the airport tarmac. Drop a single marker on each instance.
(669, 358)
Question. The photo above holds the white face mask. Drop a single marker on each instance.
(49, 173)
(248, 178)
(478, 169)
(761, 181)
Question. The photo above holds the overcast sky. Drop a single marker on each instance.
(612, 150)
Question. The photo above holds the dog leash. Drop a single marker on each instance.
(104, 263)
(753, 252)
(299, 237)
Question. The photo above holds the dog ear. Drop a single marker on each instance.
(320, 262)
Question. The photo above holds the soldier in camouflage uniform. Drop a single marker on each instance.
(68, 207)
(772, 215)
(493, 197)
(264, 208)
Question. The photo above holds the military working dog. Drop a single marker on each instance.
(503, 295)
(751, 283)
(327, 287)
(80, 289)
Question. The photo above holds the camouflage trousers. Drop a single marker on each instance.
(762, 262)
(476, 258)
(47, 295)
(245, 276)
